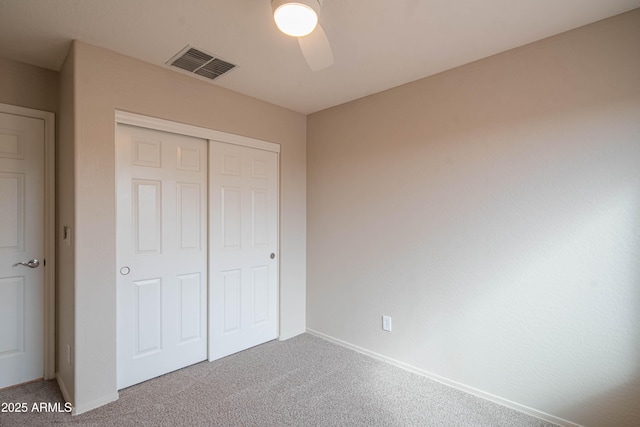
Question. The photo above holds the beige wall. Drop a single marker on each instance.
(65, 216)
(28, 86)
(105, 81)
(494, 212)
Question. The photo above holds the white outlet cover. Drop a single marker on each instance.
(386, 323)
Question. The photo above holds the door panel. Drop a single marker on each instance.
(147, 202)
(12, 211)
(147, 316)
(244, 233)
(190, 299)
(162, 252)
(21, 240)
(12, 313)
(189, 208)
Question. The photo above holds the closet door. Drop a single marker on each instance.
(244, 248)
(161, 252)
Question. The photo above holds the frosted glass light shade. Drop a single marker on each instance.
(296, 18)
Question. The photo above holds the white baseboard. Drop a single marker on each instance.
(63, 389)
(290, 335)
(451, 383)
(77, 410)
(80, 409)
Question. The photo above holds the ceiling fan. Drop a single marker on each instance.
(299, 18)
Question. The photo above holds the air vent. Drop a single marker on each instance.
(201, 63)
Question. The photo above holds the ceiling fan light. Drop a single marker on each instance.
(296, 18)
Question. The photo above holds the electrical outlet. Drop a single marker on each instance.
(386, 323)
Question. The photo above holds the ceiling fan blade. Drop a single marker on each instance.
(316, 49)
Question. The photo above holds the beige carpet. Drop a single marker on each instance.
(305, 381)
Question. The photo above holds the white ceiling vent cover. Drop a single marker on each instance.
(201, 63)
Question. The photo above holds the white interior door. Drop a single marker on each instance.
(161, 252)
(21, 241)
(243, 295)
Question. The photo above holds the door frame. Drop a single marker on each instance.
(134, 119)
(49, 285)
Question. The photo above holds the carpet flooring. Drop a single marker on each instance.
(304, 381)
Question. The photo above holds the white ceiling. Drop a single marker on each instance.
(377, 44)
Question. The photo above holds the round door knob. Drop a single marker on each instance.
(272, 256)
(125, 270)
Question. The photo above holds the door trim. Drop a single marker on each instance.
(133, 119)
(49, 368)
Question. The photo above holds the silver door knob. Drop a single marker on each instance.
(33, 263)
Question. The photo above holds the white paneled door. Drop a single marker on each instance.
(243, 248)
(21, 249)
(161, 252)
